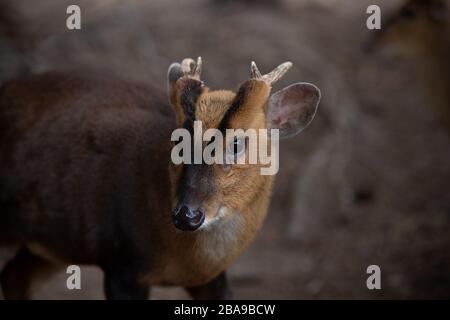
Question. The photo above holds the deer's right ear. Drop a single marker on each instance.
(173, 74)
(292, 109)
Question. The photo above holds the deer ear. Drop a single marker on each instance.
(173, 74)
(291, 109)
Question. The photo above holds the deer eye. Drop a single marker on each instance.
(237, 146)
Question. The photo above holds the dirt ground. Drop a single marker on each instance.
(367, 183)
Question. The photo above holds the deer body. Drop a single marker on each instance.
(86, 179)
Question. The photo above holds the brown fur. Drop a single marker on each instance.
(59, 132)
(212, 105)
(215, 249)
(87, 178)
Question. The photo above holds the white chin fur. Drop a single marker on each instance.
(210, 222)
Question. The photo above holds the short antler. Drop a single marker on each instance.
(192, 69)
(271, 77)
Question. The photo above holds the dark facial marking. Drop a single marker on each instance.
(238, 101)
(195, 184)
(189, 96)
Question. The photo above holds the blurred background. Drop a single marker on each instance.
(367, 183)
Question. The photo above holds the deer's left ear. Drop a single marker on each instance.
(291, 109)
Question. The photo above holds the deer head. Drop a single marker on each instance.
(204, 194)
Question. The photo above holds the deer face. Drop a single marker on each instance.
(206, 193)
(410, 29)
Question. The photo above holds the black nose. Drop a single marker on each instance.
(187, 219)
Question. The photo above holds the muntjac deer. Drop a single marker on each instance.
(420, 30)
(87, 178)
